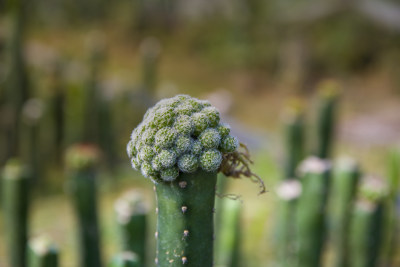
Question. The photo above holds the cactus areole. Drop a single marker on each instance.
(181, 146)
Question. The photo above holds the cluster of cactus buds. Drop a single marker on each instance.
(179, 135)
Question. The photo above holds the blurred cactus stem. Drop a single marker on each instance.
(328, 94)
(288, 192)
(150, 50)
(32, 114)
(16, 179)
(392, 228)
(345, 181)
(132, 213)
(366, 233)
(57, 106)
(294, 129)
(16, 77)
(181, 146)
(228, 243)
(42, 253)
(311, 211)
(80, 161)
(125, 259)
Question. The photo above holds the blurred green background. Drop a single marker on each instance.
(86, 71)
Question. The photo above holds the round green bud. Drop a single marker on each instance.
(147, 170)
(212, 114)
(163, 117)
(135, 164)
(184, 125)
(229, 144)
(183, 144)
(223, 129)
(210, 138)
(188, 163)
(194, 104)
(170, 174)
(205, 103)
(184, 109)
(146, 153)
(148, 136)
(167, 158)
(156, 164)
(165, 137)
(200, 122)
(197, 148)
(210, 160)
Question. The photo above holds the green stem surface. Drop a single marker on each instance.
(185, 220)
(83, 187)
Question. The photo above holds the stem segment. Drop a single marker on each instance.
(185, 220)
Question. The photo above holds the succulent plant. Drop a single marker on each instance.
(42, 252)
(179, 135)
(180, 146)
(15, 200)
(81, 161)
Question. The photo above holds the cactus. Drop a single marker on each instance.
(391, 228)
(288, 192)
(16, 80)
(294, 125)
(57, 106)
(366, 229)
(16, 180)
(125, 259)
(310, 212)
(80, 161)
(132, 219)
(328, 96)
(345, 181)
(31, 115)
(228, 243)
(42, 253)
(180, 146)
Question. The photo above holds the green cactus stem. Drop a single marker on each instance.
(392, 228)
(228, 242)
(367, 225)
(288, 193)
(80, 162)
(345, 181)
(132, 213)
(294, 129)
(32, 114)
(42, 253)
(181, 145)
(311, 209)
(125, 259)
(328, 97)
(16, 78)
(16, 181)
(57, 107)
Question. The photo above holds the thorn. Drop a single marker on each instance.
(184, 209)
(156, 210)
(156, 235)
(183, 184)
(156, 260)
(184, 260)
(185, 234)
(171, 261)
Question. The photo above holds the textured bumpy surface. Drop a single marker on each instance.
(179, 135)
